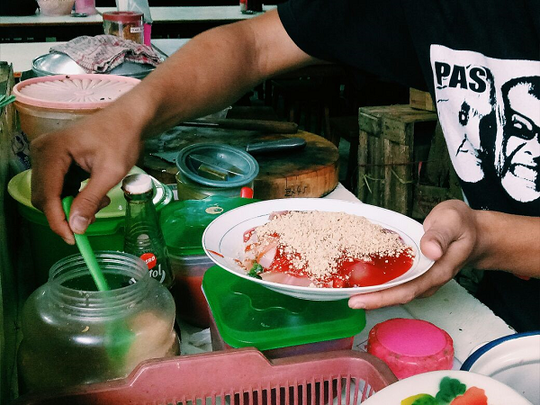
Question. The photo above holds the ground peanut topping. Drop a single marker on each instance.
(317, 241)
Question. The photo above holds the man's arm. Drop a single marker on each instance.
(455, 236)
(210, 72)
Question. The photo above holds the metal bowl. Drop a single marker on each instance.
(60, 64)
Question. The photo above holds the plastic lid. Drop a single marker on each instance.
(411, 337)
(411, 346)
(20, 189)
(248, 314)
(138, 183)
(73, 92)
(183, 222)
(217, 165)
(123, 16)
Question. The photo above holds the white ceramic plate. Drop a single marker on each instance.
(225, 236)
(513, 360)
(428, 383)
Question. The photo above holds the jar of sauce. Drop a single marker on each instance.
(74, 334)
(124, 24)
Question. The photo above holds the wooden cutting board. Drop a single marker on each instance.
(310, 172)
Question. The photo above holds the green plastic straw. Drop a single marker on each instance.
(86, 251)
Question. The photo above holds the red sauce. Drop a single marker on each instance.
(357, 273)
(381, 270)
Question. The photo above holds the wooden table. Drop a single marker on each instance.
(168, 22)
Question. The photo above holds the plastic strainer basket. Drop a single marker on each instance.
(238, 377)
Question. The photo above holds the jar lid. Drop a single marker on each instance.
(73, 92)
(411, 346)
(248, 314)
(123, 16)
(217, 165)
(183, 222)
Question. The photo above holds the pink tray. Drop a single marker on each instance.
(238, 376)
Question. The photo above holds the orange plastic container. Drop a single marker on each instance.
(239, 377)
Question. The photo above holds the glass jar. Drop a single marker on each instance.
(124, 24)
(74, 334)
(207, 169)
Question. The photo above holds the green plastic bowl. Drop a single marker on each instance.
(106, 233)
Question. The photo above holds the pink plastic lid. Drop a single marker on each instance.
(411, 346)
(87, 91)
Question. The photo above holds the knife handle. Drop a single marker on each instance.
(280, 145)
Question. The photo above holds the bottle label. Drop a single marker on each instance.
(151, 261)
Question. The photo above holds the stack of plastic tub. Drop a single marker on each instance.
(245, 314)
(183, 223)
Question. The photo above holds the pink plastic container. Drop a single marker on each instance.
(242, 376)
(50, 103)
(87, 7)
(411, 346)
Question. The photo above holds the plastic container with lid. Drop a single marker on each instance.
(246, 314)
(50, 103)
(206, 169)
(124, 24)
(74, 334)
(411, 346)
(106, 233)
(183, 223)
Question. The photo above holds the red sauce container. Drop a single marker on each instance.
(127, 25)
(411, 346)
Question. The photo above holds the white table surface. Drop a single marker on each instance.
(469, 322)
(183, 14)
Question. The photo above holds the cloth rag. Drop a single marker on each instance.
(102, 53)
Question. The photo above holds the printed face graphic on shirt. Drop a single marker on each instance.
(489, 110)
(462, 107)
(519, 152)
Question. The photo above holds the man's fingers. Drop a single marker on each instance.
(46, 197)
(92, 198)
(424, 285)
(57, 221)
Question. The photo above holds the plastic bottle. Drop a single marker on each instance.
(143, 236)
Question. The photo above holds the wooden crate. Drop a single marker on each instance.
(438, 181)
(421, 100)
(393, 140)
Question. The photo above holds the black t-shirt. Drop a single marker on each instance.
(480, 59)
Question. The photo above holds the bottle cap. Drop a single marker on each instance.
(137, 183)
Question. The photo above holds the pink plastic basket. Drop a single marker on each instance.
(237, 377)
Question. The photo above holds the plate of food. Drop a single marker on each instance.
(317, 249)
(450, 387)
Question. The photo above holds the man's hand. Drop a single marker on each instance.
(450, 240)
(98, 148)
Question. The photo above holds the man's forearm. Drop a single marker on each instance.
(508, 242)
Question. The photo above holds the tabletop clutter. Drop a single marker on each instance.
(149, 246)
